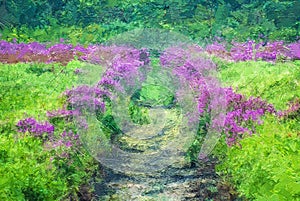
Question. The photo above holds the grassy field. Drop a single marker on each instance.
(262, 167)
(266, 166)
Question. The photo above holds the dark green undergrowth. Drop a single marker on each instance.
(93, 22)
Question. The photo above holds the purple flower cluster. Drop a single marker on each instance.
(294, 52)
(242, 114)
(124, 70)
(192, 69)
(64, 146)
(125, 67)
(250, 50)
(293, 110)
(233, 114)
(104, 55)
(86, 97)
(62, 113)
(42, 130)
(45, 131)
(63, 53)
(242, 51)
(36, 52)
(271, 51)
(66, 140)
(218, 49)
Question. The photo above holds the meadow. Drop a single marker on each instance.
(41, 153)
(149, 100)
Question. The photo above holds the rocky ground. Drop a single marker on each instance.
(175, 183)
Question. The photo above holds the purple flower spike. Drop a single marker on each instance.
(68, 144)
(37, 129)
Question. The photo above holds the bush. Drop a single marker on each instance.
(28, 172)
(32, 88)
(276, 83)
(45, 160)
(267, 165)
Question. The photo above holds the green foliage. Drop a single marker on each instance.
(106, 122)
(283, 13)
(149, 95)
(74, 34)
(27, 172)
(268, 18)
(31, 13)
(138, 115)
(54, 33)
(75, 169)
(32, 89)
(286, 34)
(194, 149)
(31, 169)
(233, 20)
(277, 83)
(266, 166)
(155, 95)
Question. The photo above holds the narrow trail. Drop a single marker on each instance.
(183, 183)
(147, 162)
(137, 180)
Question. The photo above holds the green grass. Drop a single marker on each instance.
(29, 90)
(27, 172)
(277, 83)
(32, 89)
(31, 171)
(266, 165)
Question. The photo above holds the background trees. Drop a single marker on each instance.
(230, 19)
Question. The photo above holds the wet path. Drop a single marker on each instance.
(173, 184)
(136, 180)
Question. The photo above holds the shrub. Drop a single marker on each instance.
(267, 165)
(27, 171)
